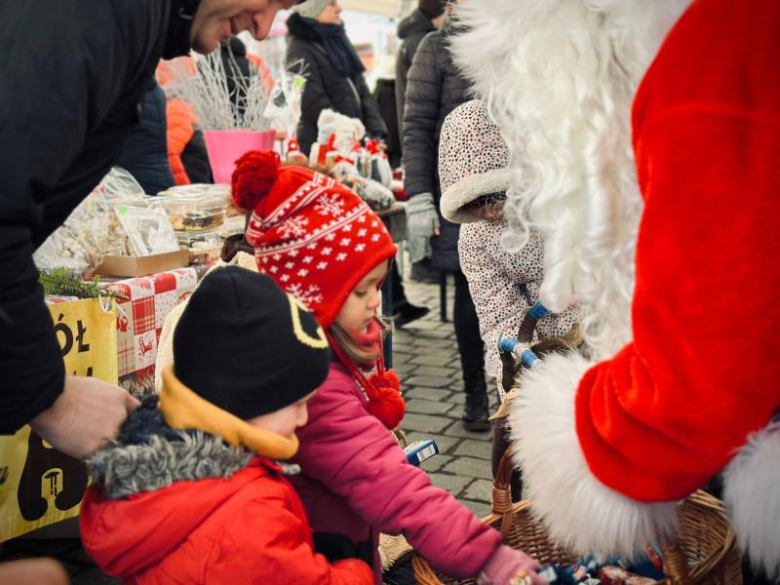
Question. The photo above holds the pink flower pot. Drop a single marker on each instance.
(225, 147)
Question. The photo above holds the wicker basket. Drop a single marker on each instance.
(704, 554)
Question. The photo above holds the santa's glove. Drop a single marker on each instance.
(421, 216)
(510, 567)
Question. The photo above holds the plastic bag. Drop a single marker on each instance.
(147, 227)
(284, 106)
(92, 230)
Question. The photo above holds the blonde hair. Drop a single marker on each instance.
(351, 349)
(561, 93)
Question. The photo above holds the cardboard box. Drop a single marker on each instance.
(143, 265)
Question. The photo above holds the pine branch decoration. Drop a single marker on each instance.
(63, 282)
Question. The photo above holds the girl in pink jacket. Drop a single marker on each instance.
(321, 242)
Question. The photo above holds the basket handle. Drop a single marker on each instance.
(675, 563)
(525, 334)
(423, 573)
(502, 492)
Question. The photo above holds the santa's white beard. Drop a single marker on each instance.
(559, 76)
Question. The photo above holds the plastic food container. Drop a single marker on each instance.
(195, 213)
(204, 247)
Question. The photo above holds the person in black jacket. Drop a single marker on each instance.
(333, 71)
(429, 16)
(435, 88)
(145, 155)
(61, 130)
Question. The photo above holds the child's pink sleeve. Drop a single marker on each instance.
(354, 456)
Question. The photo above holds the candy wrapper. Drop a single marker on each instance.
(613, 575)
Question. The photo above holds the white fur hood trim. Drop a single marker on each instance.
(470, 189)
(578, 510)
(752, 496)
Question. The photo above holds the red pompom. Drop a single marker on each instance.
(253, 178)
(387, 404)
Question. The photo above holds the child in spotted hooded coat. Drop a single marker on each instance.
(322, 243)
(473, 167)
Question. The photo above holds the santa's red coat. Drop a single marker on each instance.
(607, 449)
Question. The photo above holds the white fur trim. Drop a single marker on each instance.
(578, 510)
(752, 497)
(469, 189)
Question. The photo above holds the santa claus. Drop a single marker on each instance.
(646, 145)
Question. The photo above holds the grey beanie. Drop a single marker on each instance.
(473, 160)
(311, 8)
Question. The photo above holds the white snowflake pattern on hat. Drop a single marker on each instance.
(295, 226)
(308, 296)
(330, 205)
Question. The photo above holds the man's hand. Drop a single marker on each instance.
(85, 417)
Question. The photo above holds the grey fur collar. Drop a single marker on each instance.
(129, 469)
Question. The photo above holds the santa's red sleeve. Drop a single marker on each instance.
(608, 449)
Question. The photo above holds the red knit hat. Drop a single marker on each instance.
(317, 240)
(314, 237)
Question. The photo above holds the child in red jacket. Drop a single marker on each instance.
(323, 244)
(190, 492)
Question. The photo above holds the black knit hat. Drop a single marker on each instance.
(246, 346)
(432, 8)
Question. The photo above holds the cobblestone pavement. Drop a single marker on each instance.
(426, 358)
(425, 355)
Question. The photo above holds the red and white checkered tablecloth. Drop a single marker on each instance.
(140, 319)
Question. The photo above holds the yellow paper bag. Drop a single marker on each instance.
(38, 484)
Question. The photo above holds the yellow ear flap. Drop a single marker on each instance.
(318, 342)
